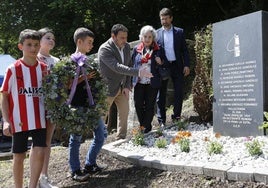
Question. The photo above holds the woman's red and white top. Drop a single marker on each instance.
(23, 83)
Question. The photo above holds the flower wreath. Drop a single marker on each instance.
(57, 95)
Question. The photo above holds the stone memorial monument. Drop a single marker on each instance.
(240, 74)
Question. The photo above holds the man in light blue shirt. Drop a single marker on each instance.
(176, 58)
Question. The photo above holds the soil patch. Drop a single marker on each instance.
(117, 174)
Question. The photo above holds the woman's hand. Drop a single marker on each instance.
(158, 60)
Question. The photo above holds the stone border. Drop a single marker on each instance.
(235, 173)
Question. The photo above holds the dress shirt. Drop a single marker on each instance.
(169, 44)
(121, 52)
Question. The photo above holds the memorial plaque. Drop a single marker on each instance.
(240, 74)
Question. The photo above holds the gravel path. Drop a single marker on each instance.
(234, 152)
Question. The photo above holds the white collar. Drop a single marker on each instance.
(168, 30)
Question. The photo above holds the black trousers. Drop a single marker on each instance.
(145, 99)
(178, 96)
(161, 102)
(178, 82)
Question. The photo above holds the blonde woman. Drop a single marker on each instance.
(47, 43)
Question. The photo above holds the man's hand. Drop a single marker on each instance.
(144, 73)
(91, 75)
(125, 92)
(186, 71)
(7, 129)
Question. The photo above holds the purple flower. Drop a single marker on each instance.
(48, 80)
(79, 58)
(248, 138)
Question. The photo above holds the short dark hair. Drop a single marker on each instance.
(82, 33)
(165, 12)
(118, 27)
(29, 34)
(45, 30)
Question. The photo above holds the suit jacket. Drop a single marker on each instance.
(180, 47)
(115, 73)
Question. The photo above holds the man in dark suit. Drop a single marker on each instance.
(176, 57)
(115, 66)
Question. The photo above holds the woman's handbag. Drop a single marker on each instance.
(164, 72)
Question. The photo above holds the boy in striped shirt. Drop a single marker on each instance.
(23, 108)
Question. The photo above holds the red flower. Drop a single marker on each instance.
(145, 58)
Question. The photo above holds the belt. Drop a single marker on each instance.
(172, 61)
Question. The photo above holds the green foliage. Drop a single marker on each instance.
(188, 82)
(182, 125)
(159, 132)
(184, 144)
(202, 86)
(254, 147)
(138, 138)
(203, 48)
(16, 16)
(79, 120)
(265, 122)
(214, 147)
(99, 16)
(161, 142)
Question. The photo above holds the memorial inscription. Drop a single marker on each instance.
(237, 85)
(239, 74)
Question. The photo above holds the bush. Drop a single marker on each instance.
(264, 125)
(214, 147)
(159, 132)
(138, 136)
(184, 145)
(202, 86)
(182, 125)
(161, 142)
(254, 148)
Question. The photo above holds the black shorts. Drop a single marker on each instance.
(20, 140)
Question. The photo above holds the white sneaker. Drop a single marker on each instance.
(44, 182)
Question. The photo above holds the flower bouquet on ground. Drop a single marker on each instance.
(59, 87)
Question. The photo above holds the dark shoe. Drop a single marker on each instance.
(80, 176)
(146, 130)
(92, 169)
(120, 137)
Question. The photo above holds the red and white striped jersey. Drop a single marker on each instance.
(23, 83)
